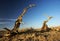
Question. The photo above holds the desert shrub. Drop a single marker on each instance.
(36, 39)
(29, 39)
(20, 39)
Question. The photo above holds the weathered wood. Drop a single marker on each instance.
(45, 26)
(19, 19)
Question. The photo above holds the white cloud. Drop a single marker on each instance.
(6, 21)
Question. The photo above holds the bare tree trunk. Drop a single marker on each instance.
(19, 19)
(45, 27)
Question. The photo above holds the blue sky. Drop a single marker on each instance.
(34, 17)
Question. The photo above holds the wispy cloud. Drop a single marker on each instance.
(7, 21)
(3, 20)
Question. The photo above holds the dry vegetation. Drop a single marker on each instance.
(32, 35)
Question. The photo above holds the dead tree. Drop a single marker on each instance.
(45, 26)
(14, 31)
(8, 30)
(19, 19)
